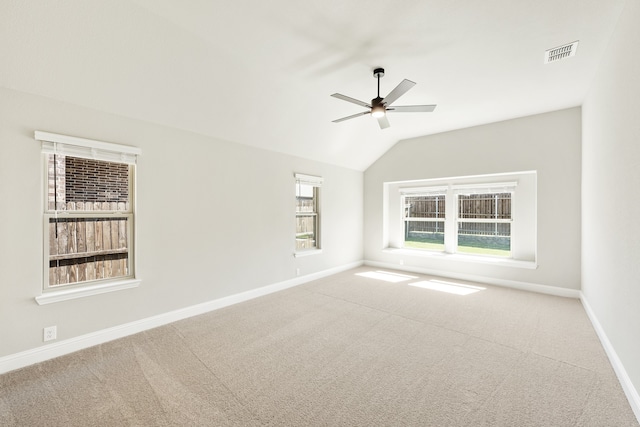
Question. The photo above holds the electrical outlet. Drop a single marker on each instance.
(297, 271)
(401, 262)
(50, 333)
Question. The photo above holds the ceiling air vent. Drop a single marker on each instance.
(560, 52)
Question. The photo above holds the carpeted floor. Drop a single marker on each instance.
(356, 349)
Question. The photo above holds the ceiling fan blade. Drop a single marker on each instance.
(351, 117)
(399, 90)
(352, 100)
(412, 109)
(383, 122)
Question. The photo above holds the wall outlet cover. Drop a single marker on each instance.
(50, 333)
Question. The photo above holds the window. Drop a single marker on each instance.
(89, 212)
(478, 221)
(424, 216)
(484, 223)
(484, 215)
(307, 212)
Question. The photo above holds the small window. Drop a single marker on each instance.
(307, 234)
(89, 213)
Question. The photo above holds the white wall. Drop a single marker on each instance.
(214, 219)
(611, 193)
(547, 143)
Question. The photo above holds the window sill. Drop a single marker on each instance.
(85, 291)
(504, 262)
(307, 253)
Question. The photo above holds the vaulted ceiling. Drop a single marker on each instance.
(261, 72)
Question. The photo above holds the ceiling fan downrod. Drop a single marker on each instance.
(378, 109)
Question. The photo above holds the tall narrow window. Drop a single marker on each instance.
(424, 217)
(89, 211)
(307, 212)
(484, 223)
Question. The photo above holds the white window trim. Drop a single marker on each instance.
(97, 150)
(424, 191)
(485, 188)
(307, 252)
(479, 259)
(88, 148)
(315, 181)
(87, 290)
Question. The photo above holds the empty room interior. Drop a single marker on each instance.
(320, 213)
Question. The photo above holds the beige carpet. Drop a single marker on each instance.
(347, 350)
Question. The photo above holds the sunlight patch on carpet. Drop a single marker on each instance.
(386, 276)
(448, 287)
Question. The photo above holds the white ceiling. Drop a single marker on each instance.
(261, 72)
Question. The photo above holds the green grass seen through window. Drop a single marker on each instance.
(435, 242)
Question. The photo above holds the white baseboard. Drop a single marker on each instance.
(629, 390)
(524, 286)
(50, 351)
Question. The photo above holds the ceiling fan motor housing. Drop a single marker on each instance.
(378, 72)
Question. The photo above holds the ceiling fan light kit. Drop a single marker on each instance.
(377, 111)
(379, 106)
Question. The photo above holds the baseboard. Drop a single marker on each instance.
(629, 390)
(524, 286)
(50, 351)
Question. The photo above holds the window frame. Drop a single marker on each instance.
(451, 193)
(111, 214)
(422, 192)
(96, 150)
(509, 189)
(315, 182)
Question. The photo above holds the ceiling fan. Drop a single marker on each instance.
(379, 106)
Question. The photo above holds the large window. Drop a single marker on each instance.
(307, 235)
(89, 212)
(488, 215)
(480, 223)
